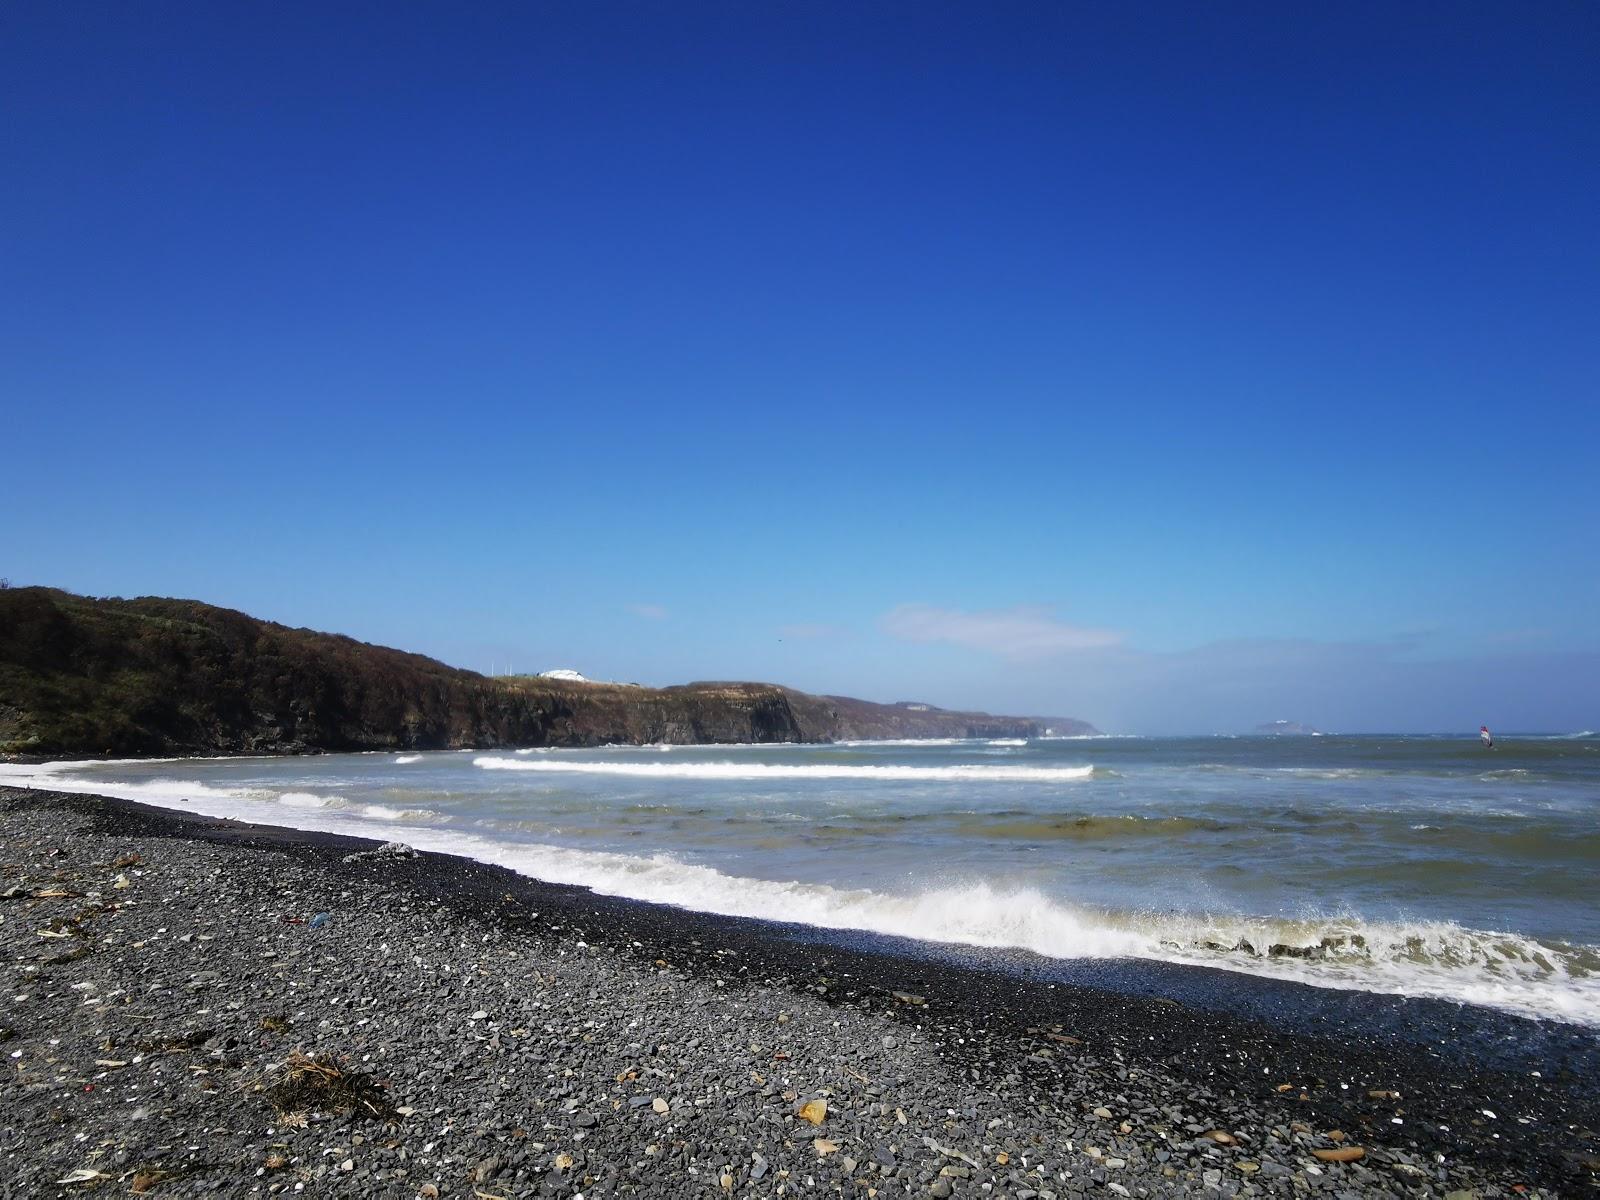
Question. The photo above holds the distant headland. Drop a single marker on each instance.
(151, 676)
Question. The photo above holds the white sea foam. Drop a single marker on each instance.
(1008, 741)
(192, 796)
(763, 771)
(407, 758)
(302, 799)
(383, 812)
(1089, 737)
(869, 742)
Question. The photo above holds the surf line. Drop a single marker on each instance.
(757, 771)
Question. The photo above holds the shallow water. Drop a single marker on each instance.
(1411, 865)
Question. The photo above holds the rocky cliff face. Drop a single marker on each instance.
(153, 676)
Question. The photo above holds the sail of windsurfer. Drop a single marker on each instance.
(1486, 737)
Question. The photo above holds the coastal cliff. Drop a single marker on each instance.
(151, 676)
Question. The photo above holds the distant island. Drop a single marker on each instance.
(82, 677)
(1288, 728)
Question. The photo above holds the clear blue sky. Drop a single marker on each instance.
(1179, 367)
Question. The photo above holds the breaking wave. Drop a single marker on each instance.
(407, 758)
(760, 771)
(193, 796)
(855, 742)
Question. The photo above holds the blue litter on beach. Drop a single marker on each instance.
(318, 921)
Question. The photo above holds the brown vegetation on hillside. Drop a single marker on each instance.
(82, 676)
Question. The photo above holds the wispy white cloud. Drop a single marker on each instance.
(650, 612)
(1023, 632)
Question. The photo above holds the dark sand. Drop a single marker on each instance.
(496, 1036)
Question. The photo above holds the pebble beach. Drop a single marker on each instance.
(204, 1007)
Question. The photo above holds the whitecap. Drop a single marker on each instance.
(763, 771)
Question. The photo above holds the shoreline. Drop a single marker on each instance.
(1038, 1046)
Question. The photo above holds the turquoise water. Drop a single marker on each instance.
(1416, 865)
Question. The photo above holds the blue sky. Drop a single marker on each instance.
(1176, 368)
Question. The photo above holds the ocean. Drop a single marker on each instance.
(1417, 866)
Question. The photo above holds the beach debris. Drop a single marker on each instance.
(183, 1041)
(83, 1175)
(81, 950)
(1379, 1094)
(909, 998)
(20, 891)
(145, 1178)
(815, 1111)
(1335, 1135)
(486, 1170)
(319, 920)
(1002, 1158)
(389, 850)
(323, 1083)
(563, 1161)
(1341, 1154)
(122, 881)
(824, 1146)
(949, 1153)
